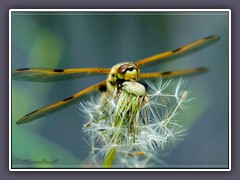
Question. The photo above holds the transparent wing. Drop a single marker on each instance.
(50, 75)
(58, 105)
(179, 51)
(172, 73)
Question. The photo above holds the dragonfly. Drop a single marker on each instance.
(126, 71)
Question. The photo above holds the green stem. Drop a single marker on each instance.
(110, 158)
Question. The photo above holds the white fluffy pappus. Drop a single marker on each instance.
(135, 119)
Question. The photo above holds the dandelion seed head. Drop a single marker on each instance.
(134, 88)
(132, 119)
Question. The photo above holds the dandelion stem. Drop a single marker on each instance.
(110, 158)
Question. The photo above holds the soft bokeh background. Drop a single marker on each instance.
(73, 39)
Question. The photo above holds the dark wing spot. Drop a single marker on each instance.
(103, 88)
(67, 99)
(58, 70)
(31, 113)
(23, 69)
(166, 73)
(176, 50)
(208, 37)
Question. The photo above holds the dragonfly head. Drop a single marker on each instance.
(120, 73)
(128, 71)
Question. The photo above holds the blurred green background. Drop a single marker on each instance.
(102, 39)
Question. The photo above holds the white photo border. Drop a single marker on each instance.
(115, 10)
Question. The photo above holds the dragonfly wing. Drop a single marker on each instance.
(196, 45)
(172, 73)
(50, 75)
(58, 105)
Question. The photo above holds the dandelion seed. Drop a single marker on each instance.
(178, 105)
